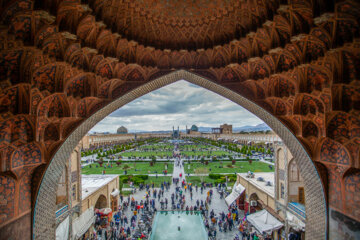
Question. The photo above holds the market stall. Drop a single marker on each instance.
(236, 192)
(82, 224)
(105, 215)
(264, 222)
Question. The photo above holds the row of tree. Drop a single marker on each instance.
(105, 151)
(247, 150)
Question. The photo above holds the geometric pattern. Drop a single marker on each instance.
(65, 62)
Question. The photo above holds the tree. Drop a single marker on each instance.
(135, 162)
(232, 160)
(101, 161)
(121, 186)
(203, 172)
(153, 160)
(118, 162)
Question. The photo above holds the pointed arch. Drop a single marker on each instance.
(314, 192)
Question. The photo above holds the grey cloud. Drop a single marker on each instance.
(180, 103)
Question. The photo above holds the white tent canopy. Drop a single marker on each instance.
(236, 192)
(295, 222)
(62, 231)
(83, 223)
(263, 221)
(115, 192)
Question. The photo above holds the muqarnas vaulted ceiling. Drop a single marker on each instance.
(63, 60)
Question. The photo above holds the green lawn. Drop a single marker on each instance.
(156, 180)
(197, 180)
(157, 147)
(205, 153)
(142, 168)
(239, 167)
(126, 193)
(196, 147)
(147, 154)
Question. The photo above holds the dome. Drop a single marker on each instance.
(194, 128)
(170, 24)
(122, 130)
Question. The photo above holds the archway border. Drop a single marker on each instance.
(316, 208)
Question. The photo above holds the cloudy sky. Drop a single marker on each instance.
(177, 104)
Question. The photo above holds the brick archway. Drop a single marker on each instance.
(62, 61)
(315, 193)
(101, 202)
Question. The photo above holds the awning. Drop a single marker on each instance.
(62, 231)
(236, 192)
(263, 221)
(115, 192)
(82, 224)
(295, 222)
(105, 211)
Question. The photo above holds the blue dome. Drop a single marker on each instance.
(194, 128)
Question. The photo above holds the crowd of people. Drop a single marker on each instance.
(138, 225)
(133, 220)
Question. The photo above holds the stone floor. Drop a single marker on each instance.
(217, 204)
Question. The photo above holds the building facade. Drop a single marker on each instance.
(281, 193)
(259, 194)
(68, 194)
(100, 191)
(77, 197)
(97, 140)
(289, 191)
(226, 129)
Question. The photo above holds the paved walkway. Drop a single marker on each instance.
(217, 204)
(268, 162)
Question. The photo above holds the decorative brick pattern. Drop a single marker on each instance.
(294, 65)
(315, 200)
(281, 174)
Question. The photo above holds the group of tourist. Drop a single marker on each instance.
(133, 220)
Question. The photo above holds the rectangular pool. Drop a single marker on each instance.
(166, 223)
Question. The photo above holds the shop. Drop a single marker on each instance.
(265, 223)
(83, 224)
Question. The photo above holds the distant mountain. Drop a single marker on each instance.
(205, 129)
(259, 127)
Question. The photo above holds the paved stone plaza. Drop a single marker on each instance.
(217, 203)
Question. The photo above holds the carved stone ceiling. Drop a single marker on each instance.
(174, 24)
(62, 61)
